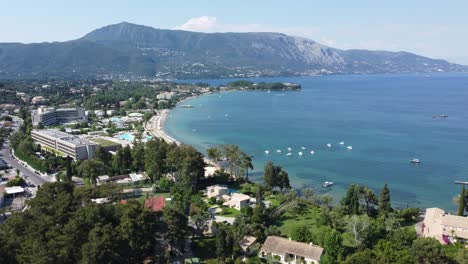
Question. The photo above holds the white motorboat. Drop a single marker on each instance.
(341, 143)
(278, 150)
(303, 148)
(312, 152)
(349, 147)
(327, 184)
(415, 161)
(300, 153)
(329, 145)
(289, 148)
(289, 154)
(267, 152)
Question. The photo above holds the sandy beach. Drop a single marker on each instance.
(155, 127)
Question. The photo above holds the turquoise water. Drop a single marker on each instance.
(127, 136)
(130, 137)
(387, 119)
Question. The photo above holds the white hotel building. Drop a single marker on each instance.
(50, 116)
(64, 144)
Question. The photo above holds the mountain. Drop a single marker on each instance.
(127, 49)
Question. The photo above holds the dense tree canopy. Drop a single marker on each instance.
(58, 228)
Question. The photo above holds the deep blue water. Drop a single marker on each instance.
(387, 119)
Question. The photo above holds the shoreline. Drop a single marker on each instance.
(155, 126)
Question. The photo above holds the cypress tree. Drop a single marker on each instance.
(462, 202)
(384, 201)
(69, 169)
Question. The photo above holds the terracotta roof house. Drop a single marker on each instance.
(155, 204)
(285, 250)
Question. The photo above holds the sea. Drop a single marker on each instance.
(387, 119)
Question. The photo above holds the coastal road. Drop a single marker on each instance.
(25, 171)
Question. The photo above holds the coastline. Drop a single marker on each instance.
(155, 126)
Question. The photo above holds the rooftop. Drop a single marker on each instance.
(282, 246)
(59, 135)
(14, 190)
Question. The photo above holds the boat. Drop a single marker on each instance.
(329, 145)
(226, 115)
(267, 152)
(312, 152)
(300, 153)
(349, 147)
(187, 106)
(341, 143)
(415, 161)
(278, 150)
(303, 148)
(194, 130)
(289, 148)
(289, 154)
(327, 184)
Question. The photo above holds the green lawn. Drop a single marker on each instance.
(204, 248)
(289, 221)
(229, 212)
(104, 142)
(274, 201)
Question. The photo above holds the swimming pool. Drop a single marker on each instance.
(127, 137)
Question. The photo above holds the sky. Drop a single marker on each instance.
(433, 28)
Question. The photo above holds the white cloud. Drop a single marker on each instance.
(211, 24)
(202, 24)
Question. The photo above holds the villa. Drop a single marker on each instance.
(216, 191)
(237, 201)
(445, 227)
(285, 250)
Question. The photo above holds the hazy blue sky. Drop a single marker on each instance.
(437, 29)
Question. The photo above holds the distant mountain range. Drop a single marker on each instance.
(129, 50)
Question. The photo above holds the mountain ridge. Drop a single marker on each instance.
(127, 49)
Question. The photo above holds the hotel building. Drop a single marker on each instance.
(64, 144)
(50, 116)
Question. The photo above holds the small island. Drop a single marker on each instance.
(249, 85)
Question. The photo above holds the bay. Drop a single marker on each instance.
(387, 119)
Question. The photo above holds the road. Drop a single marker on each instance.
(26, 172)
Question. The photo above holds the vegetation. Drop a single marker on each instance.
(59, 228)
(231, 157)
(276, 86)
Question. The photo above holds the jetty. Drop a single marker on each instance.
(461, 182)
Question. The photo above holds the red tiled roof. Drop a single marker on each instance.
(123, 201)
(155, 204)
